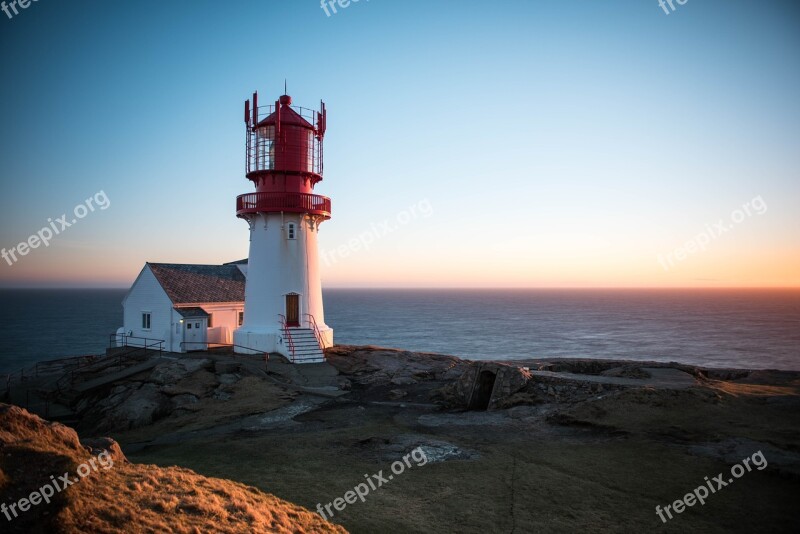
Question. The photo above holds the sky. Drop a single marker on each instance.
(563, 143)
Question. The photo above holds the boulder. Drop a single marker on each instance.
(179, 401)
(200, 384)
(379, 366)
(228, 379)
(173, 372)
(402, 381)
(141, 408)
(223, 368)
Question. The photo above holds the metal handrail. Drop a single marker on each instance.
(288, 334)
(125, 337)
(118, 357)
(34, 370)
(313, 323)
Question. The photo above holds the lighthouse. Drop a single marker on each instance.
(283, 310)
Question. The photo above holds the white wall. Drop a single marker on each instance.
(278, 266)
(225, 320)
(147, 295)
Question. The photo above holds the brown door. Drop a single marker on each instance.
(293, 309)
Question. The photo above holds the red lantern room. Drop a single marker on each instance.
(284, 159)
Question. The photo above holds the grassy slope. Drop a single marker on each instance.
(128, 497)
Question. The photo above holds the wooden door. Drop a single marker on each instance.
(293, 309)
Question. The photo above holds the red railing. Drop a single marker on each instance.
(313, 324)
(288, 202)
(288, 334)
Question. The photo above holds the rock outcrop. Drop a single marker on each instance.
(370, 365)
(485, 386)
(170, 387)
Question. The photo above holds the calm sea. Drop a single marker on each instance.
(732, 328)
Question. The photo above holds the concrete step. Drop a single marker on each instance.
(306, 346)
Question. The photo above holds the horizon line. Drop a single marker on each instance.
(460, 288)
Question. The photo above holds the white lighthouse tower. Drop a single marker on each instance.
(283, 295)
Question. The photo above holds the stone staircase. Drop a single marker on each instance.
(306, 346)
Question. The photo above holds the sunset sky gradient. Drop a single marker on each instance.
(557, 143)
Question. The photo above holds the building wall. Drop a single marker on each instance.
(147, 295)
(224, 321)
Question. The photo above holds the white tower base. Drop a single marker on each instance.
(304, 347)
(283, 283)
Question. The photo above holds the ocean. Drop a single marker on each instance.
(716, 328)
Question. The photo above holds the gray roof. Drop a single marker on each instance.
(192, 312)
(185, 284)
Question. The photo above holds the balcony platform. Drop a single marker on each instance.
(251, 203)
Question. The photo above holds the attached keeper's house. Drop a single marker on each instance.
(187, 307)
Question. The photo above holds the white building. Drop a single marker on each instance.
(187, 307)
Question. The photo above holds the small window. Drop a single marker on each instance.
(188, 326)
(145, 320)
(197, 325)
(291, 231)
(241, 318)
(210, 317)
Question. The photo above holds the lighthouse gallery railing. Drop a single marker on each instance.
(288, 202)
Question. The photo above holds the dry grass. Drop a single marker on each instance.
(141, 498)
(129, 497)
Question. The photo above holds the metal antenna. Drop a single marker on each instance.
(285, 91)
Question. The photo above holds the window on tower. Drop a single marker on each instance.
(291, 231)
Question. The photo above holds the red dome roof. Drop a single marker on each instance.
(288, 116)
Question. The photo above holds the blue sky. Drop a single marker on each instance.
(558, 143)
